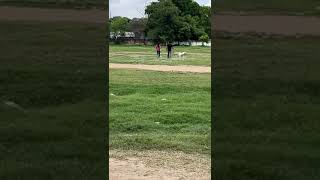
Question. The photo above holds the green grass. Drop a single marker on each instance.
(147, 55)
(56, 73)
(170, 112)
(266, 105)
(308, 7)
(57, 3)
(183, 116)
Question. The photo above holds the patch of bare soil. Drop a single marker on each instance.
(158, 165)
(130, 54)
(141, 53)
(270, 24)
(165, 68)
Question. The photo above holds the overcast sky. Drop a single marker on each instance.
(135, 8)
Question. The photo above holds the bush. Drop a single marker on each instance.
(204, 38)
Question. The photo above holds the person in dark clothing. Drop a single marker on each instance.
(169, 49)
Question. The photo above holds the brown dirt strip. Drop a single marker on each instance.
(158, 165)
(46, 14)
(143, 53)
(282, 25)
(164, 68)
(130, 54)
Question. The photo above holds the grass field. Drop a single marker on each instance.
(146, 55)
(308, 7)
(271, 128)
(171, 112)
(58, 79)
(57, 3)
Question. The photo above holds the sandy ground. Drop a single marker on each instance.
(282, 25)
(164, 68)
(158, 165)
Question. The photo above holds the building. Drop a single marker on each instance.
(128, 38)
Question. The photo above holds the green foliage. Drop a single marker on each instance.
(187, 7)
(138, 26)
(179, 20)
(163, 20)
(186, 27)
(204, 38)
(119, 25)
(205, 19)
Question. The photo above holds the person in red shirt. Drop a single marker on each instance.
(158, 49)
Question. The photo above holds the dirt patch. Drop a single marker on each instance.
(144, 53)
(130, 54)
(158, 165)
(46, 14)
(164, 68)
(283, 25)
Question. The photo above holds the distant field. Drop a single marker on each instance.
(147, 55)
(58, 79)
(308, 7)
(160, 111)
(266, 96)
(57, 3)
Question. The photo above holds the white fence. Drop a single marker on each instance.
(193, 43)
(118, 34)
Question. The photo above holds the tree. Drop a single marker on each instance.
(138, 26)
(119, 25)
(205, 19)
(204, 39)
(185, 30)
(163, 20)
(194, 15)
(188, 28)
(187, 7)
(177, 20)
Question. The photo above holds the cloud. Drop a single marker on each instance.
(135, 8)
(114, 1)
(209, 3)
(128, 8)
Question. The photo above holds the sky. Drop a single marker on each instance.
(135, 8)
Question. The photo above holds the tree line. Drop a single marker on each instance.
(167, 21)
